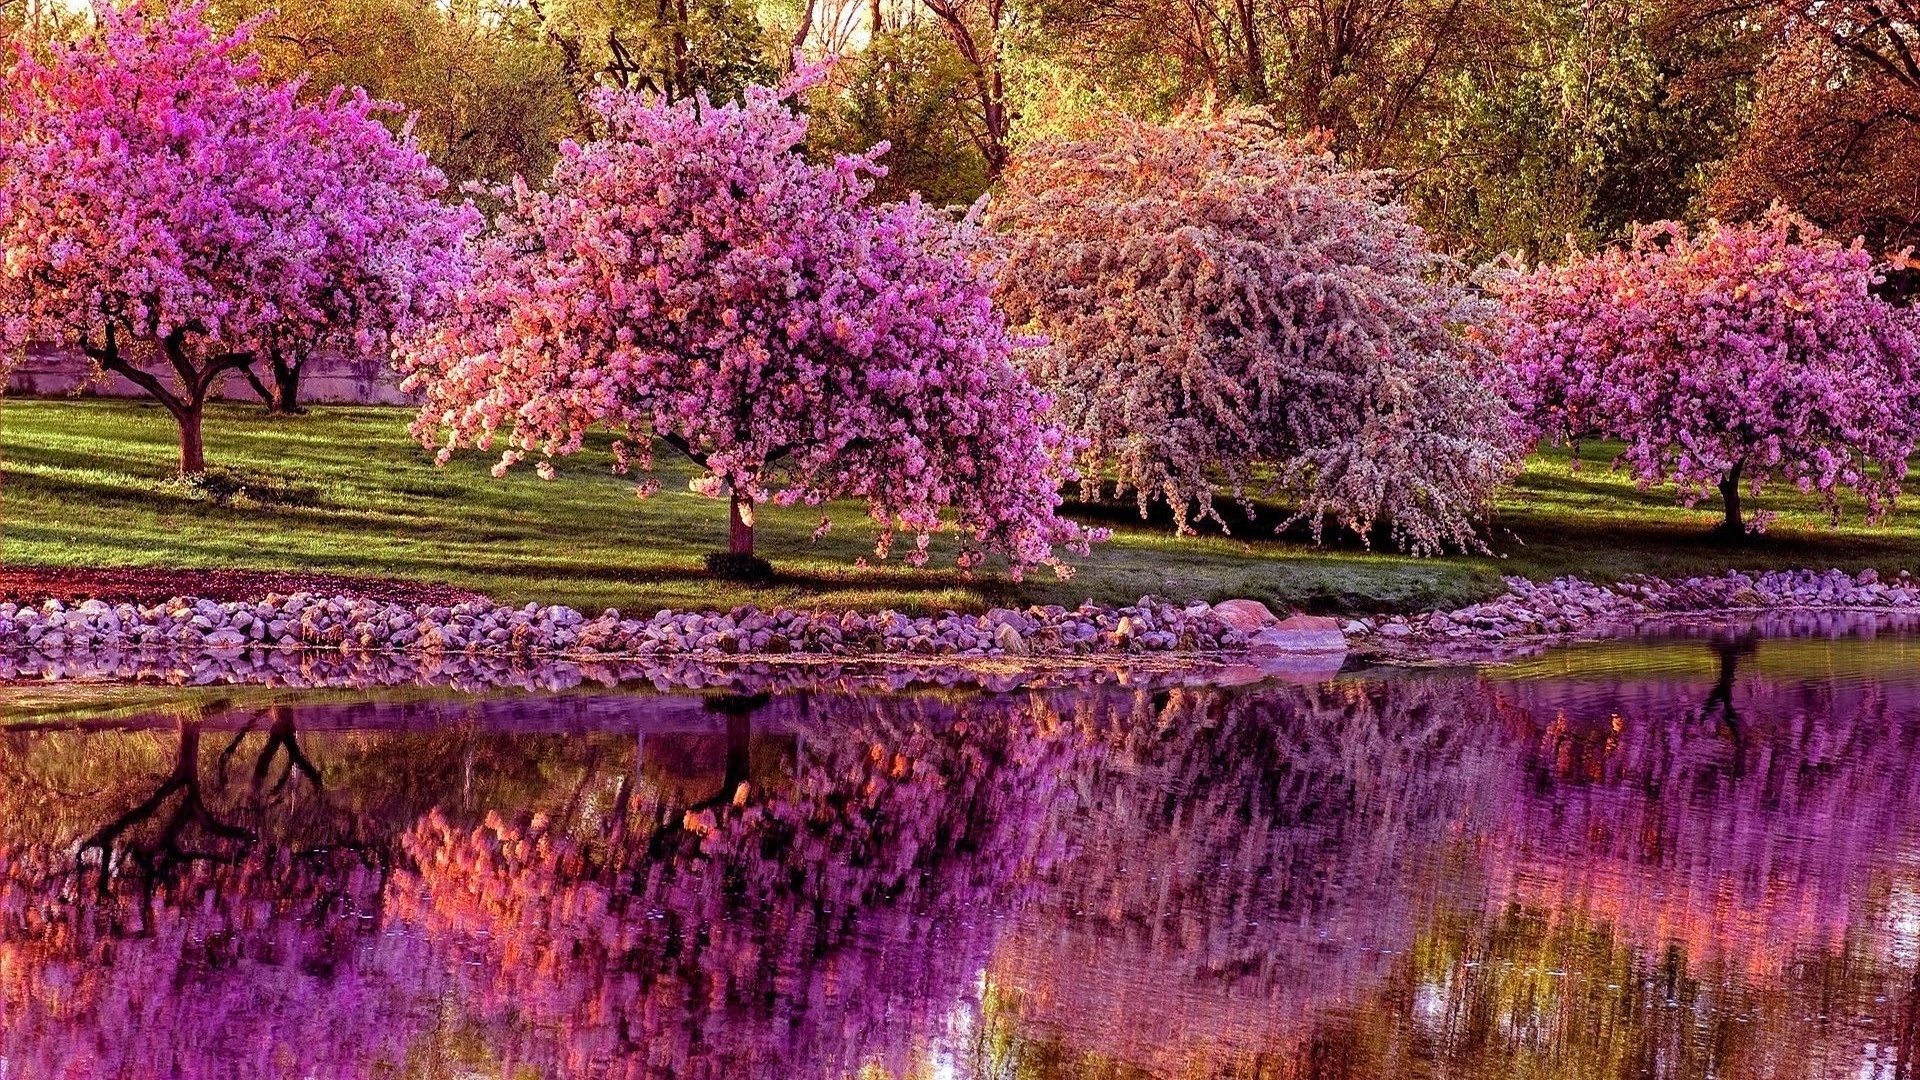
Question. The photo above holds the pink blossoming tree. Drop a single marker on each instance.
(161, 203)
(1737, 354)
(383, 249)
(692, 278)
(1230, 311)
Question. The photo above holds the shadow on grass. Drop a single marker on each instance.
(1538, 543)
(219, 486)
(1607, 487)
(1262, 525)
(1125, 513)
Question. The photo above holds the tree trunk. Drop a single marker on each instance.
(193, 458)
(983, 60)
(1256, 62)
(188, 404)
(739, 532)
(286, 385)
(800, 36)
(283, 397)
(1732, 527)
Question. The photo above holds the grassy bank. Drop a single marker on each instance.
(343, 490)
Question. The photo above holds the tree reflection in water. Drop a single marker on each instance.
(1703, 872)
(1549, 878)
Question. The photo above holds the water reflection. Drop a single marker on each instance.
(332, 669)
(1700, 862)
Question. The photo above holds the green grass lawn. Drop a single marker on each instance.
(343, 490)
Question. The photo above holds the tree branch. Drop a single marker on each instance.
(225, 362)
(686, 448)
(109, 359)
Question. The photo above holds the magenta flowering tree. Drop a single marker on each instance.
(1733, 355)
(1231, 312)
(161, 204)
(690, 277)
(382, 249)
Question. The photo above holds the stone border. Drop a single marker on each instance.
(1528, 616)
(1532, 615)
(305, 621)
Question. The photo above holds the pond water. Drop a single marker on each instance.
(1693, 857)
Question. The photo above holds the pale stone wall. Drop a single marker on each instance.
(327, 380)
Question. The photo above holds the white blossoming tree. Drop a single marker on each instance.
(1231, 312)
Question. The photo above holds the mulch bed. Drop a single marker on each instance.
(143, 585)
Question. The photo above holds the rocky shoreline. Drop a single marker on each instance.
(1528, 615)
(1531, 615)
(479, 627)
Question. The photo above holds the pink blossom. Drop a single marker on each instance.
(1231, 312)
(692, 278)
(160, 200)
(1741, 353)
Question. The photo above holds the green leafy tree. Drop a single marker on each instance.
(674, 48)
(908, 90)
(485, 86)
(1598, 116)
(1508, 123)
(1835, 127)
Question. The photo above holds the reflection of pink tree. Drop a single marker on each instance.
(234, 968)
(1240, 862)
(1372, 875)
(1740, 817)
(798, 921)
(271, 955)
(1684, 873)
(179, 805)
(1292, 878)
(796, 932)
(191, 939)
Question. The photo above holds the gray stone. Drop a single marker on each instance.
(1298, 639)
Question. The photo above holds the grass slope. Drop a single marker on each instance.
(88, 482)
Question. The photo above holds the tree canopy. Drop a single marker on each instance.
(1730, 356)
(1230, 310)
(161, 201)
(691, 277)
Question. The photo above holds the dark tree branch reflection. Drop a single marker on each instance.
(156, 856)
(1719, 706)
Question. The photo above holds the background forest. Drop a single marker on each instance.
(1509, 124)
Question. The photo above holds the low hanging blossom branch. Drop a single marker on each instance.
(1231, 311)
(692, 278)
(1726, 358)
